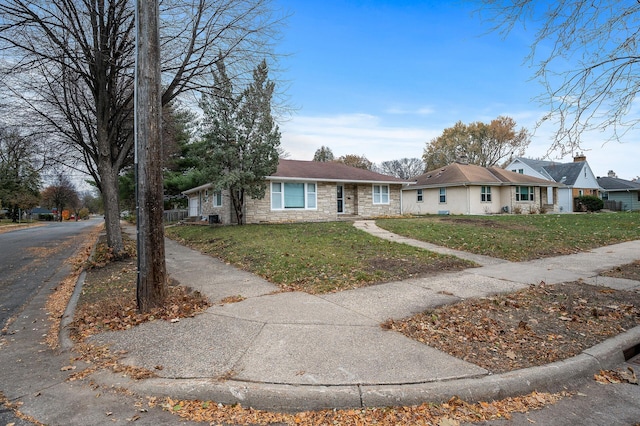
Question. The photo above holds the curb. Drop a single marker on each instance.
(292, 398)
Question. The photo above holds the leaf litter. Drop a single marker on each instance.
(501, 326)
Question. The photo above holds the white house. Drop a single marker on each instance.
(576, 177)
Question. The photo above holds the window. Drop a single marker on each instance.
(524, 193)
(293, 195)
(380, 194)
(419, 192)
(217, 199)
(485, 194)
(521, 171)
(206, 195)
(443, 195)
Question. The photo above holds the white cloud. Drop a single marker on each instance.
(402, 111)
(360, 134)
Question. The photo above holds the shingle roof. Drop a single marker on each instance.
(617, 184)
(566, 173)
(328, 171)
(459, 174)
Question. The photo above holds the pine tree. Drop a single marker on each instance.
(242, 139)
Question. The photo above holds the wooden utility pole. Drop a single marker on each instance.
(152, 274)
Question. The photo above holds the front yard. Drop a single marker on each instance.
(314, 257)
(520, 237)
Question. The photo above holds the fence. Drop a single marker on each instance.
(171, 216)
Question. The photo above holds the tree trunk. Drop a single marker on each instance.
(109, 191)
(152, 276)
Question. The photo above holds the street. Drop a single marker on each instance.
(31, 257)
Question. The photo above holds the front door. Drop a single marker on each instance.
(340, 197)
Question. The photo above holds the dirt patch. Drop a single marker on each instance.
(486, 223)
(630, 271)
(532, 327)
(410, 268)
(108, 301)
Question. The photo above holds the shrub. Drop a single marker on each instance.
(84, 213)
(589, 203)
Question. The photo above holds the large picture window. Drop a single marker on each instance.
(380, 194)
(293, 195)
(485, 194)
(524, 193)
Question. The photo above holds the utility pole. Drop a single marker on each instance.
(152, 275)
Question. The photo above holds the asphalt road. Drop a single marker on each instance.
(31, 257)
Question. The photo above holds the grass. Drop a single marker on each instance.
(520, 237)
(5, 222)
(314, 257)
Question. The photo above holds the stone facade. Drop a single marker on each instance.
(358, 201)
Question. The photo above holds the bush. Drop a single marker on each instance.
(84, 213)
(589, 203)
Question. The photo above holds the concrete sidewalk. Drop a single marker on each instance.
(294, 351)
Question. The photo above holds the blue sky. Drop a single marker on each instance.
(381, 78)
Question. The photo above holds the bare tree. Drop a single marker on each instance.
(20, 167)
(61, 195)
(404, 168)
(71, 64)
(586, 56)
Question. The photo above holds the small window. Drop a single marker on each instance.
(380, 194)
(217, 199)
(419, 195)
(524, 193)
(443, 195)
(206, 195)
(485, 194)
(311, 195)
(276, 196)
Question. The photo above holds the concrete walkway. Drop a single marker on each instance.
(295, 351)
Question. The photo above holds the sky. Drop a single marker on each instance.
(381, 78)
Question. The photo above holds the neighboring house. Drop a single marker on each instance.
(306, 191)
(619, 194)
(577, 177)
(462, 188)
(40, 213)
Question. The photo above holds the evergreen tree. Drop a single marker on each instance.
(241, 140)
(323, 154)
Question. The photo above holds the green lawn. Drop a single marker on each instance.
(520, 237)
(314, 257)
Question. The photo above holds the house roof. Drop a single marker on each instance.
(320, 171)
(465, 174)
(566, 173)
(40, 210)
(613, 184)
(328, 171)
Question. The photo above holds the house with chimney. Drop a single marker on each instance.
(463, 188)
(576, 177)
(619, 194)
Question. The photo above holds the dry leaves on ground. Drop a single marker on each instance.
(452, 412)
(531, 327)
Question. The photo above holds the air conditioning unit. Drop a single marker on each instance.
(505, 209)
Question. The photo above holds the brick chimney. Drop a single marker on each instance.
(580, 157)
